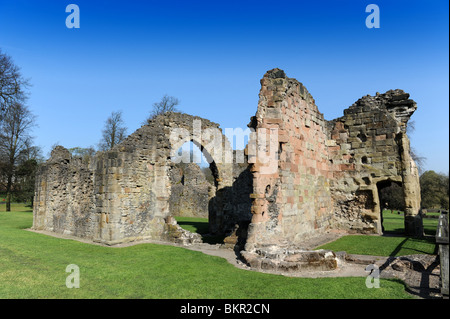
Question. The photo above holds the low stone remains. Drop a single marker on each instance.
(318, 175)
(286, 260)
(420, 273)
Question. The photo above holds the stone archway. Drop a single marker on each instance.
(123, 194)
(208, 137)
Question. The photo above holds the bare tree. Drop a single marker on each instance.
(12, 84)
(419, 160)
(114, 131)
(31, 151)
(167, 104)
(83, 152)
(14, 142)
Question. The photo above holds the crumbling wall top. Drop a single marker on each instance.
(396, 102)
(60, 153)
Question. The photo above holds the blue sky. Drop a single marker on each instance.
(211, 55)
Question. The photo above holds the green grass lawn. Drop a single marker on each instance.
(393, 244)
(382, 245)
(33, 266)
(393, 222)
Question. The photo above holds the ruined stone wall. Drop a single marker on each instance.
(63, 201)
(191, 192)
(325, 174)
(369, 145)
(119, 195)
(291, 198)
(122, 194)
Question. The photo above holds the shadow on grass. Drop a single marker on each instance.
(422, 289)
(427, 238)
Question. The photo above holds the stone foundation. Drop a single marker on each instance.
(285, 260)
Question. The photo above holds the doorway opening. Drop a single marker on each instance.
(392, 206)
(194, 183)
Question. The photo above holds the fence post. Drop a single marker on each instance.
(442, 240)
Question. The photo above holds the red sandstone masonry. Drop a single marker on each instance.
(302, 159)
(327, 170)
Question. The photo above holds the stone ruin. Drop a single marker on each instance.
(190, 192)
(326, 175)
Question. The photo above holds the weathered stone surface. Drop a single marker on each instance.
(379, 152)
(190, 192)
(274, 258)
(124, 194)
(327, 171)
(174, 233)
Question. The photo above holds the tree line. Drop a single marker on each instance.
(19, 157)
(434, 193)
(434, 190)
